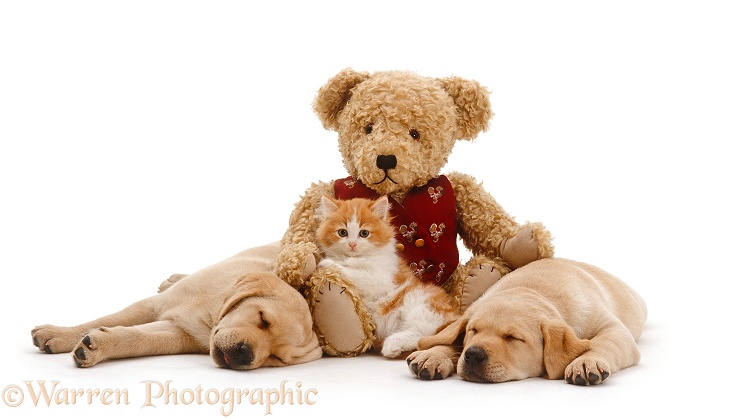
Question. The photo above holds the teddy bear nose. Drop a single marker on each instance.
(386, 162)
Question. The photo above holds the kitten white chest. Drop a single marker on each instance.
(373, 275)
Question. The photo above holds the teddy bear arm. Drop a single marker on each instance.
(299, 251)
(483, 223)
(487, 229)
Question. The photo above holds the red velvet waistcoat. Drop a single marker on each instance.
(425, 224)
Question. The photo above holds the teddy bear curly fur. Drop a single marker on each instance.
(396, 130)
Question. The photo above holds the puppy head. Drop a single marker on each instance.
(509, 338)
(265, 322)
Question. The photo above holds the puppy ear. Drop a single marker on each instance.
(561, 347)
(447, 336)
(473, 107)
(334, 95)
(252, 285)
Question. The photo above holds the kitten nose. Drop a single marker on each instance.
(386, 162)
(352, 245)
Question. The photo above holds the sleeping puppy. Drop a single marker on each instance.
(239, 312)
(554, 318)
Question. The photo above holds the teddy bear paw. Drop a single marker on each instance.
(295, 263)
(520, 249)
(480, 278)
(337, 319)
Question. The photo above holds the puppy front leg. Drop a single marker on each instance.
(157, 338)
(611, 350)
(435, 363)
(58, 339)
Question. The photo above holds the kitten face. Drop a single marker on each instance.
(357, 227)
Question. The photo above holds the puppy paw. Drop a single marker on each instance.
(54, 339)
(87, 351)
(587, 371)
(430, 365)
(170, 281)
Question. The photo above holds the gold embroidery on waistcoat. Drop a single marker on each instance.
(408, 232)
(436, 231)
(418, 269)
(435, 193)
(438, 277)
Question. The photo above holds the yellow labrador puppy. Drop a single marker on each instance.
(236, 310)
(554, 318)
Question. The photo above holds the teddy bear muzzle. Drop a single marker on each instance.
(386, 163)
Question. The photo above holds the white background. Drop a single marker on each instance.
(143, 138)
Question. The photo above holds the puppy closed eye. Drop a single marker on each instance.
(512, 338)
(263, 323)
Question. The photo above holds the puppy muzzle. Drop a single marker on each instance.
(237, 357)
(475, 356)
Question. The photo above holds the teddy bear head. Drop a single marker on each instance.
(396, 129)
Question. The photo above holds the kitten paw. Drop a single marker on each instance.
(399, 343)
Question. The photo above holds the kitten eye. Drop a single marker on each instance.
(342, 232)
(369, 128)
(414, 134)
(363, 233)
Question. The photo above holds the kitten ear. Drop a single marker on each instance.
(380, 207)
(327, 206)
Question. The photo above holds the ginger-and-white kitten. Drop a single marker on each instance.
(357, 238)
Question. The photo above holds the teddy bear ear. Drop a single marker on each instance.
(473, 106)
(334, 95)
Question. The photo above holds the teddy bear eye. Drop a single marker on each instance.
(369, 128)
(414, 134)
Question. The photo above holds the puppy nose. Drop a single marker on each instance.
(475, 355)
(386, 162)
(241, 355)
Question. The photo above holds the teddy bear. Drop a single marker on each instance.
(396, 130)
